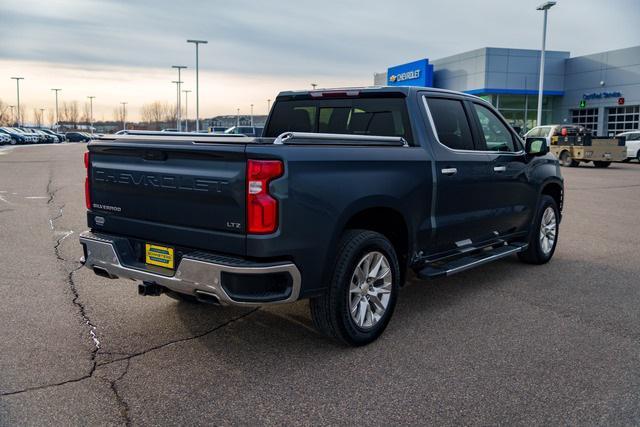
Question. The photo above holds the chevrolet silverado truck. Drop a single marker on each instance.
(347, 191)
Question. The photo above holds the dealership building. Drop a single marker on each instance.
(600, 91)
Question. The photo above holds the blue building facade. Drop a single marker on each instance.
(600, 91)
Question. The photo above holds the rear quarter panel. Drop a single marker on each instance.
(324, 186)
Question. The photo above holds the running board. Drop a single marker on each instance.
(470, 261)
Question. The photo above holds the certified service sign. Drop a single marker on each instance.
(417, 73)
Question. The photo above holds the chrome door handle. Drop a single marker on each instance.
(449, 171)
(499, 168)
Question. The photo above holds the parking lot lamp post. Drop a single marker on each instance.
(91, 112)
(41, 121)
(545, 8)
(56, 91)
(237, 117)
(313, 85)
(251, 115)
(197, 42)
(179, 107)
(17, 79)
(177, 83)
(268, 106)
(124, 115)
(186, 110)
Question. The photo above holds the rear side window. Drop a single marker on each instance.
(362, 116)
(451, 123)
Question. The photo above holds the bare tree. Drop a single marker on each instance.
(155, 113)
(120, 114)
(70, 113)
(51, 116)
(86, 113)
(37, 117)
(5, 114)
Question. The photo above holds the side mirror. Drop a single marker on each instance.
(536, 146)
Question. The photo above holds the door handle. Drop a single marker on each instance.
(499, 168)
(449, 171)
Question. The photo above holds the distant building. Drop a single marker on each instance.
(600, 91)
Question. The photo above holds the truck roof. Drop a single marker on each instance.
(404, 90)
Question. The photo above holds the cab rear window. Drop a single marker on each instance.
(367, 116)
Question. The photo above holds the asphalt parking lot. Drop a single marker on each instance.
(507, 343)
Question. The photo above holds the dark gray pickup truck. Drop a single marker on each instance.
(346, 191)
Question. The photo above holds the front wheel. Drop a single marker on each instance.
(359, 302)
(544, 234)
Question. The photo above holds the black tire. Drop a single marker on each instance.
(567, 160)
(602, 164)
(638, 156)
(331, 312)
(535, 253)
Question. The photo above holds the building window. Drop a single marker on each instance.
(620, 119)
(587, 117)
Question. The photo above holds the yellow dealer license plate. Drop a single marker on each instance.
(159, 255)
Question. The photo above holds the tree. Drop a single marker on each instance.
(37, 117)
(155, 113)
(120, 114)
(5, 114)
(69, 112)
(52, 118)
(86, 113)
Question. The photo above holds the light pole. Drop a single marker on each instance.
(197, 42)
(268, 106)
(17, 79)
(91, 112)
(41, 121)
(177, 83)
(544, 7)
(186, 110)
(179, 107)
(56, 91)
(251, 115)
(124, 115)
(237, 117)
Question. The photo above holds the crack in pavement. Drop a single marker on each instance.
(124, 406)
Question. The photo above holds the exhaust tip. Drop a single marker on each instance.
(207, 298)
(149, 289)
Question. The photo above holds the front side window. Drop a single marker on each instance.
(496, 134)
(451, 123)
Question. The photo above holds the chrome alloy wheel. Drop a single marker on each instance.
(548, 230)
(370, 290)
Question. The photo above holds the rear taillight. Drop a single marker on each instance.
(262, 209)
(87, 182)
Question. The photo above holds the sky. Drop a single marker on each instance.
(122, 51)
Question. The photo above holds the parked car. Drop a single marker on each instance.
(218, 129)
(632, 142)
(77, 137)
(244, 130)
(59, 136)
(346, 191)
(19, 137)
(5, 139)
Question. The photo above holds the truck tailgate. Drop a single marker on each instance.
(177, 193)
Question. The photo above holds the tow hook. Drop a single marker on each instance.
(150, 289)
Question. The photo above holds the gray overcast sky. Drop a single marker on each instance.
(300, 36)
(122, 50)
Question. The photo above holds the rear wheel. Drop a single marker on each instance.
(602, 164)
(359, 302)
(567, 160)
(638, 156)
(544, 234)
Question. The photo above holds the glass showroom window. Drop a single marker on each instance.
(620, 119)
(587, 117)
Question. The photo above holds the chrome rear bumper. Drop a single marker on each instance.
(197, 273)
